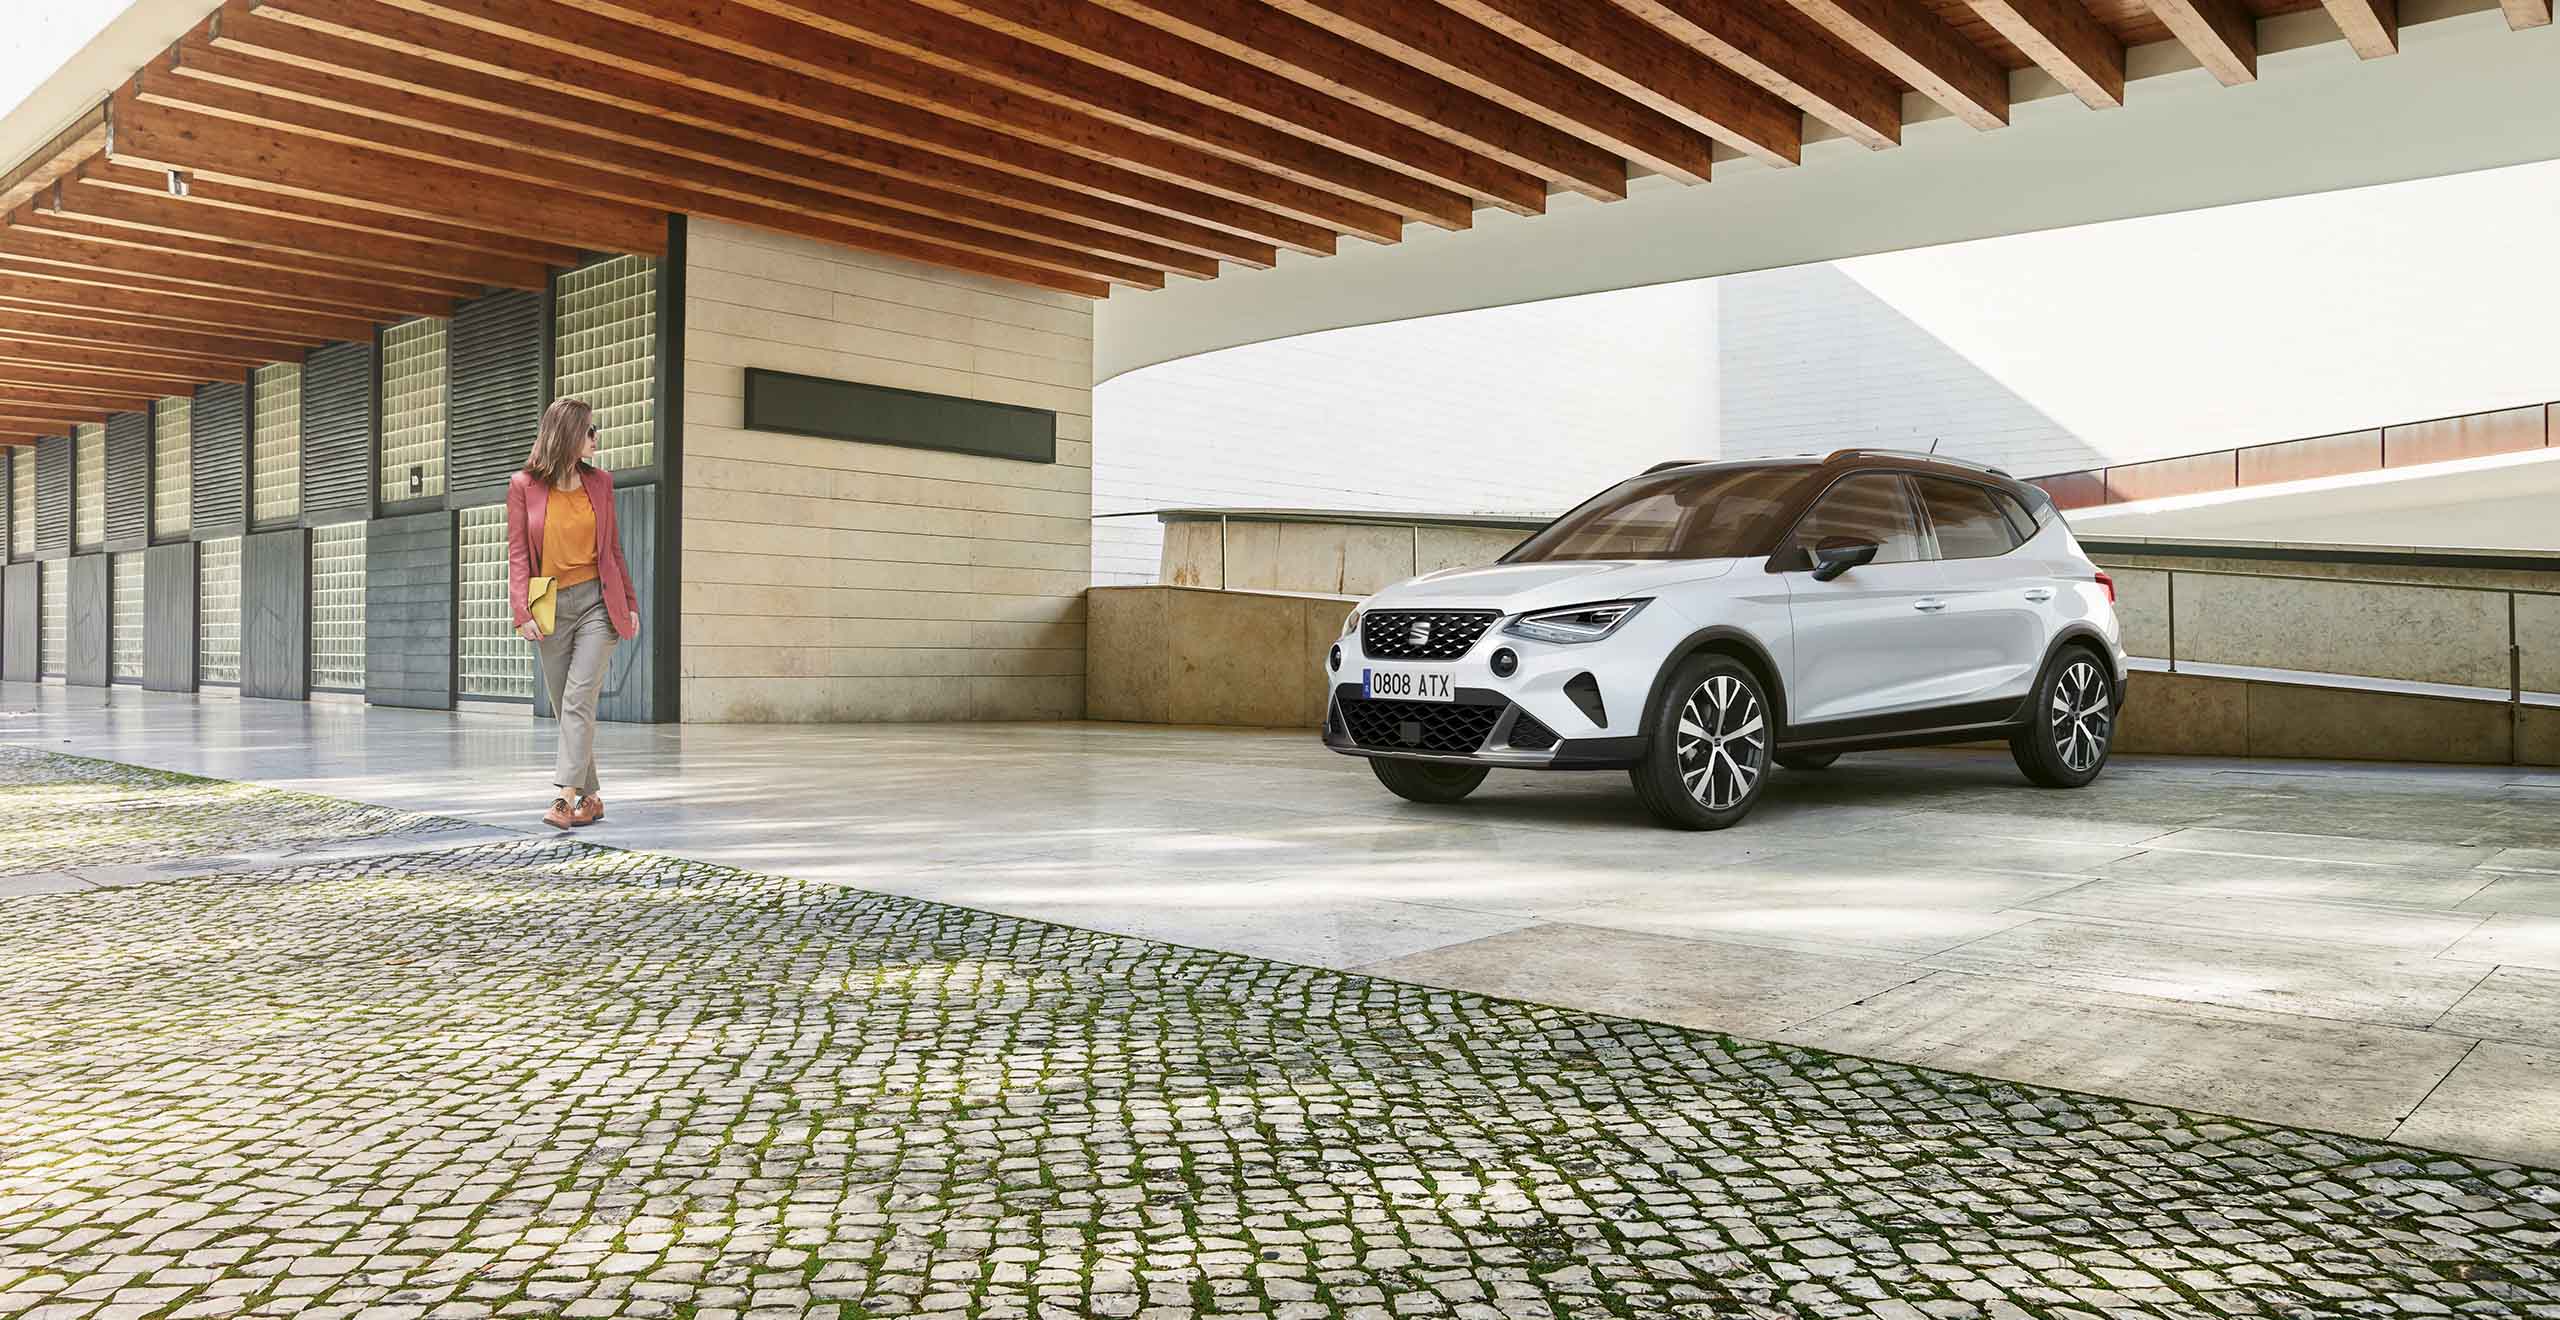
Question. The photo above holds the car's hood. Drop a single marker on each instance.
(1511, 588)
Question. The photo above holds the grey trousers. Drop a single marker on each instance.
(573, 662)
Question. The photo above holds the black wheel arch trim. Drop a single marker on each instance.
(1772, 677)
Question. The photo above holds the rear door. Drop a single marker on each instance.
(1864, 641)
(1995, 601)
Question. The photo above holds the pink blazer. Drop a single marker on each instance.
(528, 503)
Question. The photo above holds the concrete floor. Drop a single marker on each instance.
(2367, 949)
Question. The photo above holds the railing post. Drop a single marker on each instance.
(1222, 552)
(2172, 575)
(2515, 687)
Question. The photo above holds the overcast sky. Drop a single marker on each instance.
(42, 34)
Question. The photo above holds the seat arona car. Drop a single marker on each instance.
(1698, 624)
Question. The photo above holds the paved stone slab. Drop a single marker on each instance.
(2341, 1076)
(1729, 987)
(2513, 1004)
(2503, 1100)
(2238, 970)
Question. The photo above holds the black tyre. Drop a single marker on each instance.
(2071, 724)
(1708, 757)
(1807, 760)
(1427, 781)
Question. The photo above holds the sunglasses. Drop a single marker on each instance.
(594, 429)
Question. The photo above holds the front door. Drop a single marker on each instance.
(1867, 641)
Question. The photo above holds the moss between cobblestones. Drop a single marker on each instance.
(542, 1079)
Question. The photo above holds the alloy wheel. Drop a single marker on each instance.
(2081, 721)
(1724, 742)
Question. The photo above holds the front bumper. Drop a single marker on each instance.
(1480, 727)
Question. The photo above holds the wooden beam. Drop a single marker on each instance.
(586, 37)
(28, 324)
(1646, 65)
(46, 219)
(22, 394)
(238, 199)
(414, 90)
(1785, 52)
(1912, 43)
(1305, 54)
(1460, 51)
(177, 311)
(856, 48)
(84, 139)
(542, 83)
(15, 410)
(636, 177)
(82, 260)
(2219, 33)
(2064, 41)
(17, 422)
(1171, 65)
(165, 214)
(2522, 14)
(174, 370)
(2372, 27)
(105, 385)
(546, 111)
(307, 166)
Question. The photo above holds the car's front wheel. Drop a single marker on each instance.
(2072, 724)
(1708, 757)
(1427, 781)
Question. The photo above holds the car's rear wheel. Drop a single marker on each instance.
(1427, 781)
(1807, 760)
(2072, 723)
(1708, 757)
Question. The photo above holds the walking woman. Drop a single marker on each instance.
(561, 536)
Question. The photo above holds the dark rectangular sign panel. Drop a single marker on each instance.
(844, 410)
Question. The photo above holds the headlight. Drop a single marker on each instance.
(1574, 623)
(1351, 623)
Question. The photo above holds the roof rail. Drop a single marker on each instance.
(1838, 454)
(1670, 463)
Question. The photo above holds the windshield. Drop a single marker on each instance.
(1693, 513)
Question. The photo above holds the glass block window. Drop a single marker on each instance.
(495, 661)
(607, 354)
(22, 501)
(414, 363)
(125, 617)
(53, 605)
(88, 486)
(171, 442)
(275, 443)
(218, 611)
(337, 607)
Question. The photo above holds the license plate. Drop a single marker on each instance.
(1407, 685)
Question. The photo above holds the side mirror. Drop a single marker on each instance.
(1838, 554)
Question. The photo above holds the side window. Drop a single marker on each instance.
(1868, 507)
(1968, 521)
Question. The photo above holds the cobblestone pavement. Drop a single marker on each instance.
(536, 1078)
(58, 812)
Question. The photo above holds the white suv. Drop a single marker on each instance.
(1696, 624)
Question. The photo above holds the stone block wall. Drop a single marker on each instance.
(834, 580)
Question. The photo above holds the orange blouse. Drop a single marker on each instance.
(569, 538)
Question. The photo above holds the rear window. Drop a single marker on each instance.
(1711, 513)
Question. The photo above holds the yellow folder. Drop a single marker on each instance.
(542, 603)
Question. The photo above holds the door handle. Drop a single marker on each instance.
(2039, 594)
(1928, 604)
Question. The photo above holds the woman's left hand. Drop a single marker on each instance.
(635, 626)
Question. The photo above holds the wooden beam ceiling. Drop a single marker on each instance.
(293, 172)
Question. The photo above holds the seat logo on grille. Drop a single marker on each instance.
(1418, 634)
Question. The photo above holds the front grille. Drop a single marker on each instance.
(1417, 726)
(1446, 634)
(1528, 735)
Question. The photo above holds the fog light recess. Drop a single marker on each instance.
(1337, 659)
(1585, 692)
(1505, 663)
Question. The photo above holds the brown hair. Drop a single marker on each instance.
(554, 457)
